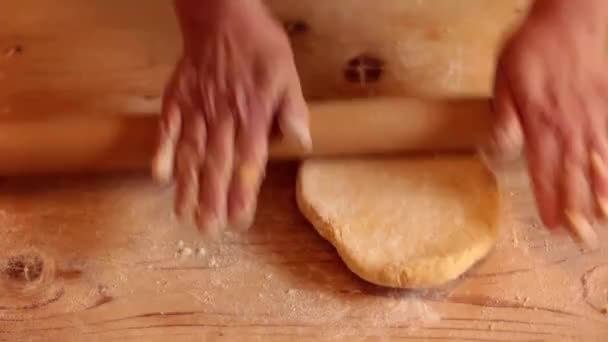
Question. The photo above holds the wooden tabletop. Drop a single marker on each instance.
(103, 259)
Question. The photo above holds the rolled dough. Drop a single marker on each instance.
(407, 223)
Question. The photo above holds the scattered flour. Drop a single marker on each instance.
(201, 252)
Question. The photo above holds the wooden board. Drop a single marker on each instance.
(102, 259)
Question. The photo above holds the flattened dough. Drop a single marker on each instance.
(407, 223)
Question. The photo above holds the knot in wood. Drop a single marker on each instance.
(364, 69)
(13, 51)
(24, 268)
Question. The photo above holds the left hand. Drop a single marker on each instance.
(552, 90)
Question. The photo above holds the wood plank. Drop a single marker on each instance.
(103, 259)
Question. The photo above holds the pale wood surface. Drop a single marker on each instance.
(98, 259)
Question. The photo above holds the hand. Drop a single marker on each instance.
(552, 89)
(235, 77)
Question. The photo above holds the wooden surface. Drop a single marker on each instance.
(102, 259)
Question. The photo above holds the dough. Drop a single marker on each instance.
(407, 223)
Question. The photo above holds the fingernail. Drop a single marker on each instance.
(301, 132)
(163, 162)
(603, 204)
(209, 224)
(249, 175)
(599, 165)
(583, 229)
(164, 159)
(244, 219)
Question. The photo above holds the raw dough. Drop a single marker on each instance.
(408, 223)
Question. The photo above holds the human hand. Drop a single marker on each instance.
(235, 79)
(551, 90)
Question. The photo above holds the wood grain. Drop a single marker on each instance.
(100, 258)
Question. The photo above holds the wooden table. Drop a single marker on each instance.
(103, 259)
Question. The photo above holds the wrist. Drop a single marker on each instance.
(588, 14)
(210, 12)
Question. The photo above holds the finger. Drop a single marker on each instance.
(250, 161)
(187, 181)
(575, 187)
(599, 170)
(215, 174)
(293, 116)
(163, 163)
(576, 169)
(543, 157)
(576, 191)
(599, 159)
(191, 154)
(507, 136)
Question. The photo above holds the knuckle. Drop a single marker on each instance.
(216, 165)
(266, 80)
(535, 113)
(574, 160)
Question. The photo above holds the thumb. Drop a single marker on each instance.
(507, 138)
(293, 117)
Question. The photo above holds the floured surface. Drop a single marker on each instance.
(403, 222)
(112, 266)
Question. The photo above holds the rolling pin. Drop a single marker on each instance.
(109, 143)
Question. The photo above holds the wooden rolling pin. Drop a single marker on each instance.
(104, 143)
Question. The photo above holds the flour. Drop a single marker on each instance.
(201, 252)
(280, 300)
(213, 262)
(185, 252)
(341, 316)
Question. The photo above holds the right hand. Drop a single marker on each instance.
(235, 78)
